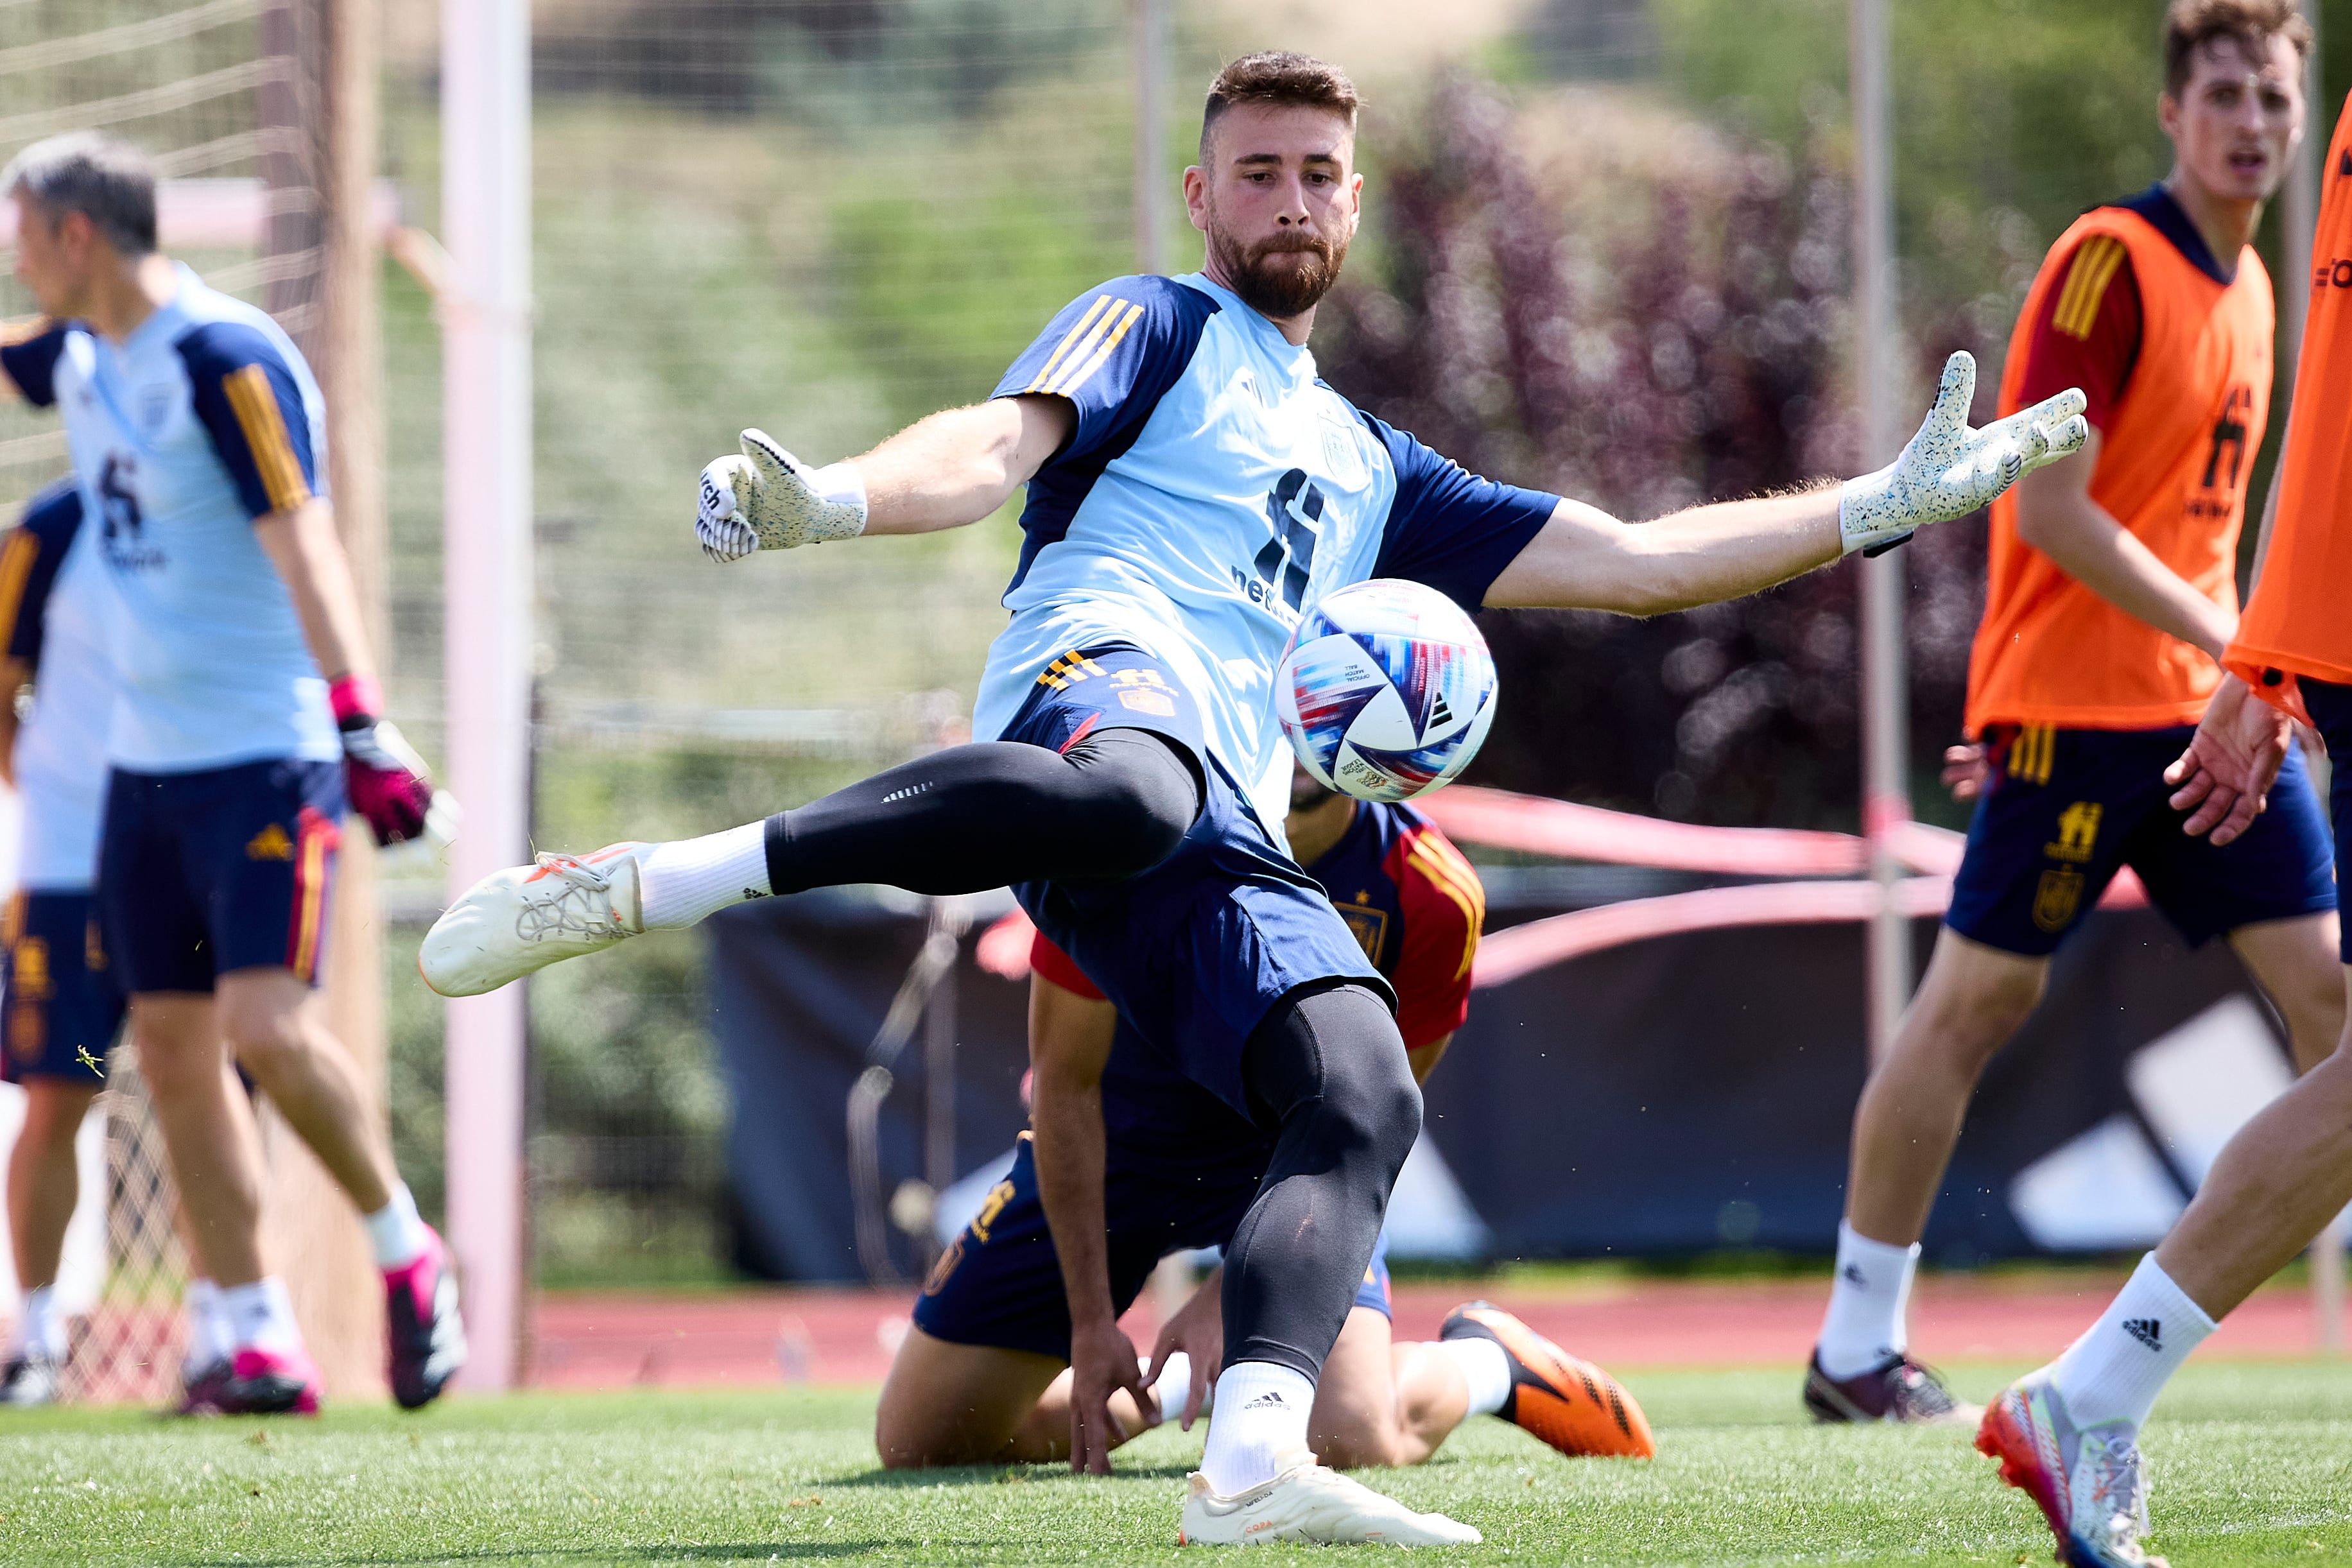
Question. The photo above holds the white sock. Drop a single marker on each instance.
(42, 1328)
(210, 1340)
(261, 1317)
(685, 882)
(1261, 1418)
(2112, 1373)
(1485, 1367)
(1865, 1325)
(1174, 1385)
(395, 1231)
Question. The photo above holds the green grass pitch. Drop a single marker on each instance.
(2253, 1464)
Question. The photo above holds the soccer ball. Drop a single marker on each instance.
(1386, 690)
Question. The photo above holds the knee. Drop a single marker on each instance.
(54, 1110)
(1370, 1096)
(265, 1041)
(1133, 798)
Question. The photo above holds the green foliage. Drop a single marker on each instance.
(2249, 1457)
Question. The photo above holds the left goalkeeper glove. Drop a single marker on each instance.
(770, 499)
(387, 781)
(1949, 470)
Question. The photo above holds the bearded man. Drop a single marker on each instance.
(1193, 487)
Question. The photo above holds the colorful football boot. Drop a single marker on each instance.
(264, 1383)
(1570, 1404)
(2090, 1482)
(30, 1380)
(1897, 1389)
(427, 1338)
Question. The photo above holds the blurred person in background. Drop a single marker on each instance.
(1192, 486)
(2111, 593)
(246, 717)
(2069, 1433)
(1134, 1163)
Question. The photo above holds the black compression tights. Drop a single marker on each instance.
(982, 816)
(1328, 1068)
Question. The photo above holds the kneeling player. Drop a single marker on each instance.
(982, 1376)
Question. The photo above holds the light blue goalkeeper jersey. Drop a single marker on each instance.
(55, 611)
(1213, 490)
(205, 419)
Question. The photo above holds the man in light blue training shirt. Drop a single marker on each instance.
(246, 716)
(1192, 487)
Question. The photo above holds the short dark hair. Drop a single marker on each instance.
(107, 181)
(1283, 80)
(2190, 25)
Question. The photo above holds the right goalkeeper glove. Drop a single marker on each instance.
(770, 499)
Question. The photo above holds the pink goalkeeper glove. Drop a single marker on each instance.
(387, 781)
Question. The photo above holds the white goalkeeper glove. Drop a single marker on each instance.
(1949, 470)
(770, 499)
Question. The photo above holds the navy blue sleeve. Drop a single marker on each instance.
(28, 566)
(1448, 527)
(28, 352)
(248, 401)
(1114, 352)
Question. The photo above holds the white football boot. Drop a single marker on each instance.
(1305, 1501)
(522, 919)
(2090, 1482)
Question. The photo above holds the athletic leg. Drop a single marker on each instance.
(43, 1182)
(207, 1130)
(270, 1016)
(1327, 1068)
(1382, 1404)
(1114, 802)
(2295, 964)
(949, 1404)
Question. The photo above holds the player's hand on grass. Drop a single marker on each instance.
(1949, 470)
(1198, 1329)
(2223, 781)
(769, 499)
(1102, 1361)
(386, 780)
(1964, 770)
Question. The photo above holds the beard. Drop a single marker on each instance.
(1281, 276)
(1305, 793)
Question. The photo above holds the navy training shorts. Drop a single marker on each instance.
(999, 1284)
(1198, 949)
(2064, 809)
(2330, 708)
(200, 875)
(60, 998)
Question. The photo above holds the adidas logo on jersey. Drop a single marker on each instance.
(2149, 1331)
(269, 844)
(1271, 1399)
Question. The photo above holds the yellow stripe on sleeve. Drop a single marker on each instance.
(256, 406)
(2094, 268)
(1068, 338)
(1072, 379)
(16, 559)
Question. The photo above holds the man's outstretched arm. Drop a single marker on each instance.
(942, 472)
(1585, 560)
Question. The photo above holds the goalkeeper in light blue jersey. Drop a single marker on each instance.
(1193, 487)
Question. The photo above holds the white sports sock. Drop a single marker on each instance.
(1485, 1367)
(1864, 1324)
(1261, 1417)
(685, 882)
(42, 1326)
(210, 1339)
(397, 1231)
(2114, 1373)
(261, 1317)
(1174, 1384)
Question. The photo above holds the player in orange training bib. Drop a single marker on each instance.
(2110, 594)
(2070, 1431)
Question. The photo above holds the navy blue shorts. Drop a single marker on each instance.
(2065, 808)
(201, 874)
(2330, 708)
(999, 1284)
(1196, 950)
(60, 1001)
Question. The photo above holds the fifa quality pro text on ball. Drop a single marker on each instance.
(1386, 690)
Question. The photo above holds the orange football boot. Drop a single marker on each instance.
(1570, 1404)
